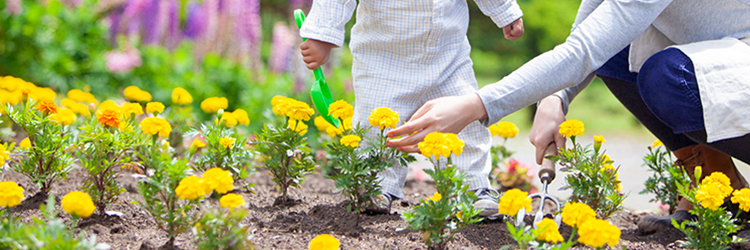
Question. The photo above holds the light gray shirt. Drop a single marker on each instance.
(602, 29)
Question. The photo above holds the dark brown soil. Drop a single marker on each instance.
(314, 209)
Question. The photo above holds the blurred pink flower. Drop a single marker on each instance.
(419, 174)
(122, 61)
(664, 207)
(13, 6)
(282, 46)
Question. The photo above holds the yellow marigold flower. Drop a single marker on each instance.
(576, 213)
(109, 117)
(383, 118)
(229, 119)
(190, 188)
(232, 201)
(712, 190)
(441, 144)
(156, 125)
(298, 110)
(599, 139)
(181, 96)
(80, 96)
(47, 107)
(656, 144)
(4, 155)
(513, 200)
(504, 129)
(198, 144)
(324, 242)
(333, 131)
(340, 109)
(571, 128)
(218, 180)
(227, 142)
(436, 197)
(214, 104)
(298, 126)
(76, 107)
(617, 175)
(79, 204)
(350, 141)
(460, 215)
(280, 104)
(133, 93)
(742, 197)
(241, 116)
(25, 143)
(347, 125)
(109, 104)
(64, 117)
(321, 124)
(154, 107)
(549, 231)
(595, 233)
(11, 98)
(41, 94)
(721, 180)
(130, 109)
(11, 194)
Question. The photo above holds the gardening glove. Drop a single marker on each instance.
(514, 30)
(315, 53)
(446, 114)
(545, 130)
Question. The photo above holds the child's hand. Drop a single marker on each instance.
(514, 30)
(315, 53)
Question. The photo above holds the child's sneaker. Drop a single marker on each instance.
(382, 204)
(486, 202)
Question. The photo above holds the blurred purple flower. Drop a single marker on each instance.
(195, 22)
(281, 48)
(296, 4)
(212, 19)
(13, 6)
(114, 19)
(150, 21)
(123, 61)
(173, 29)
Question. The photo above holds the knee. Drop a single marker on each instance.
(661, 73)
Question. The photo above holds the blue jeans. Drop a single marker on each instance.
(664, 96)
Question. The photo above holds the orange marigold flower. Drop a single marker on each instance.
(47, 107)
(109, 117)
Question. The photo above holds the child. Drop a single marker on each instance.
(407, 52)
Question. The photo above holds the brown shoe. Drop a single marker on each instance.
(689, 157)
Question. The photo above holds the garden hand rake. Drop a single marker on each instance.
(546, 176)
(319, 92)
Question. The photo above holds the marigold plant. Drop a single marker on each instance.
(224, 149)
(665, 178)
(220, 228)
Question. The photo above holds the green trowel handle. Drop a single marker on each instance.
(299, 16)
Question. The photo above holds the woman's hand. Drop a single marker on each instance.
(446, 114)
(549, 115)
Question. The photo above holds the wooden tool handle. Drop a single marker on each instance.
(547, 170)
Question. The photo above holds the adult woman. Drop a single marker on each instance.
(708, 120)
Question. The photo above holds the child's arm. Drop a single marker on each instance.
(506, 14)
(324, 28)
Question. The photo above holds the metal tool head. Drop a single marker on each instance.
(319, 92)
(546, 176)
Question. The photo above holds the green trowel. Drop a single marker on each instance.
(321, 95)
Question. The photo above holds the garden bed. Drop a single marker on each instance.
(317, 211)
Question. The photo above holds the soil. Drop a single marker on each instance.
(315, 209)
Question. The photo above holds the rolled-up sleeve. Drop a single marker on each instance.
(501, 12)
(327, 20)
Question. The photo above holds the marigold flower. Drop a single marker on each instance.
(279, 104)
(241, 116)
(64, 117)
(711, 195)
(109, 117)
(190, 188)
(156, 125)
(350, 141)
(435, 197)
(79, 204)
(198, 144)
(504, 129)
(80, 96)
(549, 231)
(340, 109)
(11, 194)
(599, 139)
(24, 144)
(108, 104)
(4, 155)
(324, 242)
(181, 96)
(219, 180)
(228, 119)
(214, 104)
(298, 126)
(41, 94)
(460, 215)
(347, 124)
(441, 144)
(131, 108)
(321, 124)
(47, 107)
(227, 142)
(298, 110)
(76, 107)
(133, 93)
(571, 128)
(383, 118)
(333, 131)
(574, 214)
(154, 107)
(596, 233)
(232, 201)
(742, 197)
(656, 144)
(513, 200)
